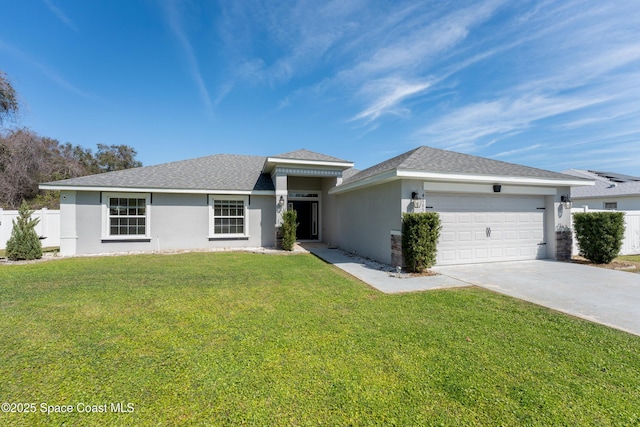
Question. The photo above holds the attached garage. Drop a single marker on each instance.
(490, 210)
(489, 228)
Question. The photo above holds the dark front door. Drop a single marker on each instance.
(307, 219)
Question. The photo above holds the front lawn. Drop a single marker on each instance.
(237, 338)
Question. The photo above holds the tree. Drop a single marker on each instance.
(24, 243)
(116, 157)
(27, 159)
(8, 98)
(22, 160)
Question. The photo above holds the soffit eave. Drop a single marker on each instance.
(460, 178)
(272, 162)
(120, 189)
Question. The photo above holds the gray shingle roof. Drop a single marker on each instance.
(309, 155)
(434, 160)
(218, 172)
(604, 187)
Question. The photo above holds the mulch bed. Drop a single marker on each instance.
(630, 266)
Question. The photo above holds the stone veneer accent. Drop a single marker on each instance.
(396, 249)
(564, 245)
(278, 237)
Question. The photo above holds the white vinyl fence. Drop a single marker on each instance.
(631, 241)
(49, 226)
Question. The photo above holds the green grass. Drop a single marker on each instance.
(634, 258)
(249, 339)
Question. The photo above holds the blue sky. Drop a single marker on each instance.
(549, 84)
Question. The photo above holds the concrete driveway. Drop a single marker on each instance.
(600, 295)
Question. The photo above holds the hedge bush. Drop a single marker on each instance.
(24, 243)
(599, 235)
(420, 233)
(289, 226)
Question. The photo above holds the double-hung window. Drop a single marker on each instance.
(125, 216)
(228, 216)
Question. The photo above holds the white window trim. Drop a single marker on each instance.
(105, 216)
(245, 200)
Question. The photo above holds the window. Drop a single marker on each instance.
(125, 216)
(228, 216)
(611, 205)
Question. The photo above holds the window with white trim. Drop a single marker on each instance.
(125, 216)
(228, 216)
(611, 205)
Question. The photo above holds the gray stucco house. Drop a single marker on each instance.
(612, 191)
(490, 210)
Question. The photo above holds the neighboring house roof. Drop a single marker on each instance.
(434, 163)
(607, 184)
(217, 172)
(616, 177)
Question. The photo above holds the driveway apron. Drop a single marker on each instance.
(600, 295)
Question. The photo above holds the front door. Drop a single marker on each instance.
(307, 219)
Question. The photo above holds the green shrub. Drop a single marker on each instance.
(289, 226)
(420, 233)
(24, 243)
(599, 235)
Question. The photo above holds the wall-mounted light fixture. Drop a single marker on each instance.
(566, 201)
(281, 201)
(497, 188)
(416, 200)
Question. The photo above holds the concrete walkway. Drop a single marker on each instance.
(600, 295)
(381, 276)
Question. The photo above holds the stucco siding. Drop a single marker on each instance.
(304, 183)
(329, 209)
(366, 218)
(176, 221)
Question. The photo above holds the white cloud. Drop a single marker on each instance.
(174, 19)
(518, 151)
(388, 94)
(475, 76)
(500, 117)
(61, 15)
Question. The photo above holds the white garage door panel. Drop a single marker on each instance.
(488, 228)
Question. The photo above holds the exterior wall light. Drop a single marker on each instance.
(497, 188)
(566, 201)
(416, 200)
(281, 201)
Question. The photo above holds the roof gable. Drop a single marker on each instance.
(434, 160)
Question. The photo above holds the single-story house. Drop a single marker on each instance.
(612, 191)
(490, 210)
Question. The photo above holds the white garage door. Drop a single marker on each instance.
(489, 228)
